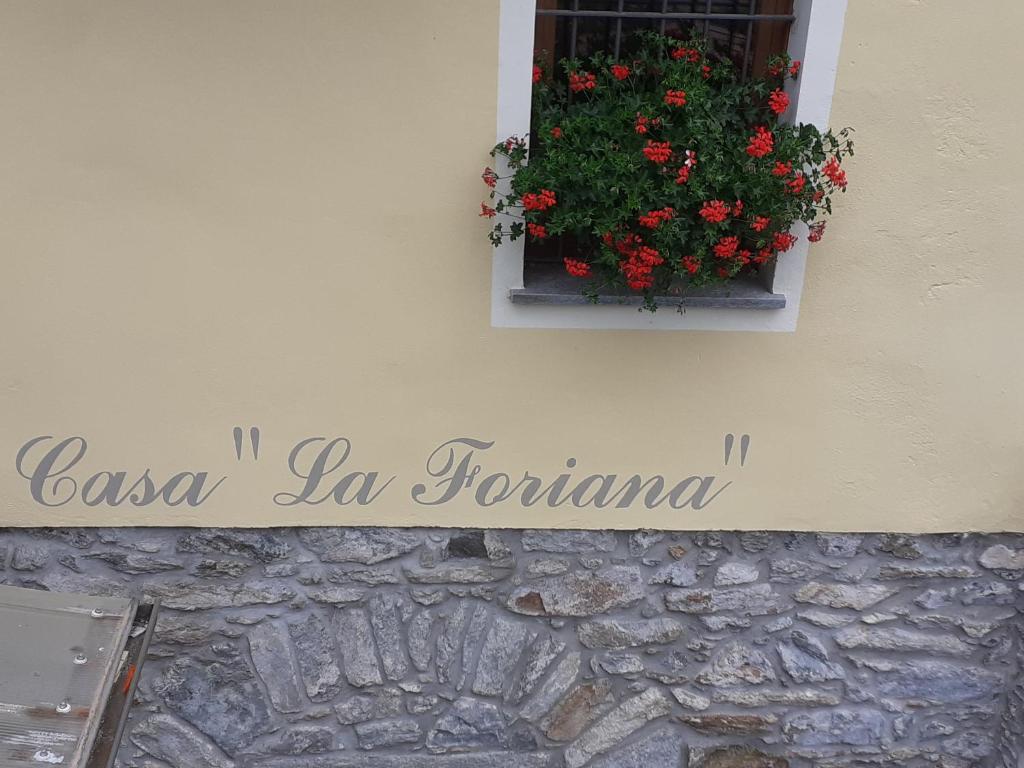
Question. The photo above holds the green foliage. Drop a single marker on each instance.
(592, 123)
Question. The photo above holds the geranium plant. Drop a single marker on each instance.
(664, 169)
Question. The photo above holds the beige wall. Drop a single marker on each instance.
(251, 212)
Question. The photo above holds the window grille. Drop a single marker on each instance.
(743, 31)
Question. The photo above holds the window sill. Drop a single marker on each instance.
(548, 284)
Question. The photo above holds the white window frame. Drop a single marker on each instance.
(815, 39)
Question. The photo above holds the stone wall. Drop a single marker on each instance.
(400, 648)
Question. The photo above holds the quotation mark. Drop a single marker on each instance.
(744, 447)
(254, 439)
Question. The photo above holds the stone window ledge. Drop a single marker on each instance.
(549, 284)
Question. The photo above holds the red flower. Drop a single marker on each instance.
(556, 132)
(675, 98)
(778, 101)
(620, 72)
(649, 256)
(835, 173)
(775, 69)
(490, 177)
(714, 211)
(638, 262)
(691, 264)
(760, 223)
(763, 256)
(577, 268)
(623, 245)
(817, 232)
(639, 266)
(540, 201)
(783, 241)
(586, 81)
(487, 212)
(737, 208)
(726, 247)
(691, 158)
(794, 69)
(537, 74)
(690, 54)
(743, 256)
(722, 272)
(782, 169)
(706, 71)
(684, 175)
(658, 152)
(653, 219)
(643, 124)
(796, 186)
(539, 231)
(761, 143)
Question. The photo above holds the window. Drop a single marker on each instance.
(529, 287)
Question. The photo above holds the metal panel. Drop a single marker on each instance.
(59, 655)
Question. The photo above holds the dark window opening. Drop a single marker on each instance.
(746, 32)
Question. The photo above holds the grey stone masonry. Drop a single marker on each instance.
(457, 648)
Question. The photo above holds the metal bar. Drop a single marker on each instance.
(707, 21)
(119, 703)
(678, 16)
(664, 10)
(618, 29)
(574, 27)
(746, 46)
